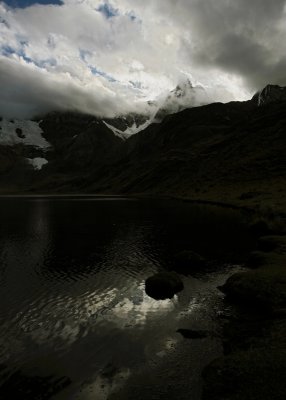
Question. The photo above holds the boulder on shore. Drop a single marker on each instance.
(163, 285)
(270, 243)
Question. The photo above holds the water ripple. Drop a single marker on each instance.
(72, 289)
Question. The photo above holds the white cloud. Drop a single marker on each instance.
(111, 61)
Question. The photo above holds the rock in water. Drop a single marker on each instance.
(188, 261)
(270, 243)
(259, 228)
(163, 285)
(190, 334)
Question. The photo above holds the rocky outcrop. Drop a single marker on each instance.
(270, 94)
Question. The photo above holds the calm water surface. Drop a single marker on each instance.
(75, 322)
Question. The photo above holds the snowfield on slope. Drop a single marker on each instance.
(28, 133)
(132, 130)
(37, 162)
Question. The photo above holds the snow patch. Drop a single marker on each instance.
(26, 132)
(117, 132)
(184, 95)
(37, 162)
(132, 130)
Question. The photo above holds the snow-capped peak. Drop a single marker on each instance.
(182, 89)
(184, 95)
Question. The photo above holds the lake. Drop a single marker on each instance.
(75, 321)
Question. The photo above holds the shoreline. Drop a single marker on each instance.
(254, 360)
(238, 204)
(139, 196)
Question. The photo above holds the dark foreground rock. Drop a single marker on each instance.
(188, 261)
(255, 374)
(254, 364)
(163, 285)
(263, 289)
(21, 386)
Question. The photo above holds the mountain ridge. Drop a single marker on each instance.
(216, 151)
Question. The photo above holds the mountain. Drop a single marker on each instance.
(184, 95)
(214, 147)
(218, 151)
(57, 146)
(270, 94)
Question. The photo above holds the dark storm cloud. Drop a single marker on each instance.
(36, 93)
(242, 37)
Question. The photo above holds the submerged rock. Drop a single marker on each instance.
(266, 259)
(191, 334)
(270, 243)
(163, 285)
(187, 261)
(260, 228)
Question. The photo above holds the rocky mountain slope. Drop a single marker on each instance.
(270, 94)
(218, 151)
(215, 151)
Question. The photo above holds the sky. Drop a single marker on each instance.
(112, 57)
